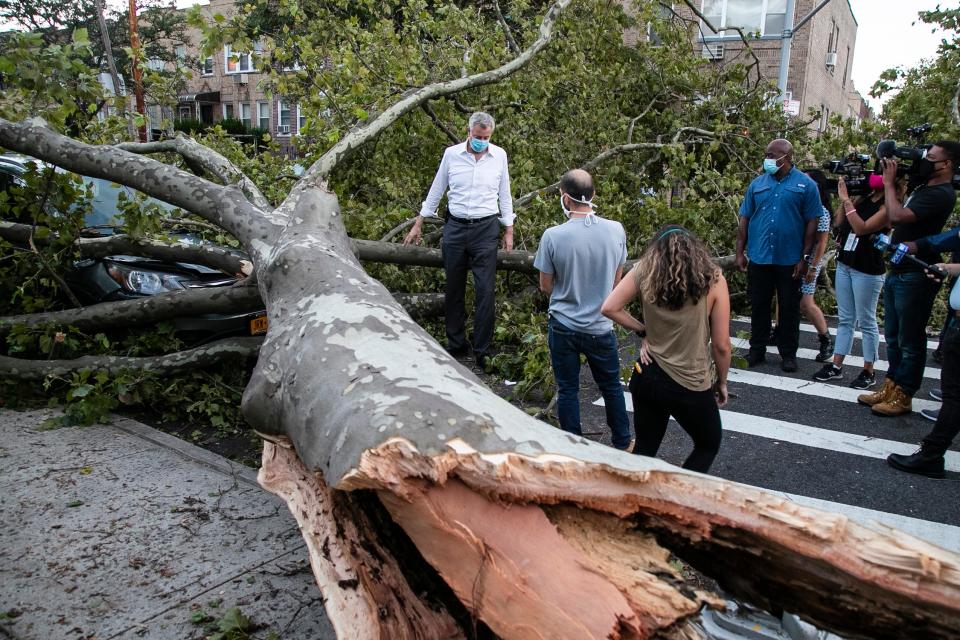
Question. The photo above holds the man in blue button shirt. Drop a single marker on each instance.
(777, 227)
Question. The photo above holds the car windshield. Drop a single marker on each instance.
(105, 205)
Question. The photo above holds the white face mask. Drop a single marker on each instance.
(590, 216)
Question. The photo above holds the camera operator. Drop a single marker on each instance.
(907, 293)
(928, 459)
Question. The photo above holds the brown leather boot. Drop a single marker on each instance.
(878, 396)
(898, 403)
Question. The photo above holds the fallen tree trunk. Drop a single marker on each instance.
(513, 516)
(387, 409)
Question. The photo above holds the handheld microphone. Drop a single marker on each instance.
(883, 244)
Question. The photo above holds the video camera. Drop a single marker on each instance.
(899, 253)
(860, 180)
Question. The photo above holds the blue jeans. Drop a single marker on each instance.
(907, 302)
(857, 295)
(566, 346)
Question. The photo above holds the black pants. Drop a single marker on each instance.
(656, 397)
(473, 247)
(948, 422)
(762, 281)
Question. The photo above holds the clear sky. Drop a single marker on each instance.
(886, 38)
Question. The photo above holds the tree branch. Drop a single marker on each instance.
(223, 258)
(514, 47)
(453, 137)
(320, 169)
(210, 160)
(146, 310)
(955, 110)
(225, 206)
(603, 156)
(406, 224)
(196, 358)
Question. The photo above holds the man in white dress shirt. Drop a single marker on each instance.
(475, 173)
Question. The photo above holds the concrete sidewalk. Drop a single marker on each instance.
(121, 531)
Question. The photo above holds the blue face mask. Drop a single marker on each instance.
(770, 164)
(479, 146)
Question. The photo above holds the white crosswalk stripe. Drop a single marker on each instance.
(834, 391)
(932, 373)
(809, 328)
(817, 438)
(836, 440)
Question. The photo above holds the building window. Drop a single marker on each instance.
(184, 113)
(263, 115)
(846, 68)
(227, 109)
(180, 51)
(245, 114)
(208, 66)
(301, 119)
(766, 17)
(241, 62)
(155, 64)
(283, 118)
(665, 14)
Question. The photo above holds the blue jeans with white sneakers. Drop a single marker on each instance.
(857, 296)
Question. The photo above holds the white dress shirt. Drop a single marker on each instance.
(478, 188)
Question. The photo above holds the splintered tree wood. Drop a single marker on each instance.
(364, 589)
(582, 575)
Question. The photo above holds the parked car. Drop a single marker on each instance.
(126, 277)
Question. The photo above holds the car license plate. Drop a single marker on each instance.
(258, 325)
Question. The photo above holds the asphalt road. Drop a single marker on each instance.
(786, 433)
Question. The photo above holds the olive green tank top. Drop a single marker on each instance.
(679, 340)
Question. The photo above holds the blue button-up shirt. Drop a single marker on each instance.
(778, 211)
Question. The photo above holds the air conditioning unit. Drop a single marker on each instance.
(241, 78)
(832, 59)
(713, 51)
(283, 129)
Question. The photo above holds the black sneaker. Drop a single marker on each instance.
(788, 364)
(829, 372)
(826, 348)
(866, 380)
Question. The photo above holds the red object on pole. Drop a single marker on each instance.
(137, 77)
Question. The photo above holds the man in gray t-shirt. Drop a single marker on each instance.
(580, 262)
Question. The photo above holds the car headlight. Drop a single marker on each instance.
(144, 282)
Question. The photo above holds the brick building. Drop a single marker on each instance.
(821, 54)
(227, 85)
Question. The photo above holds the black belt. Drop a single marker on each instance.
(471, 220)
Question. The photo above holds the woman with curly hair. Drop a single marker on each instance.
(686, 324)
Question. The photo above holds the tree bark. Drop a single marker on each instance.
(196, 358)
(146, 310)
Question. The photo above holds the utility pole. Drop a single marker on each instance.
(786, 41)
(137, 77)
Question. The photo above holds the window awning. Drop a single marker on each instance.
(209, 96)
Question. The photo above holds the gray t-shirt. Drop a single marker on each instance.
(583, 260)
